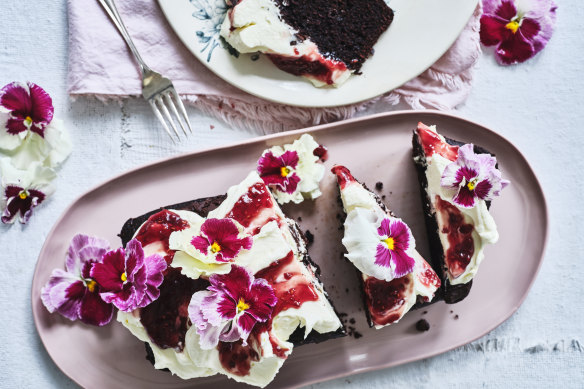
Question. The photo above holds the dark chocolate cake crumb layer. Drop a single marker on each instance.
(344, 30)
(451, 294)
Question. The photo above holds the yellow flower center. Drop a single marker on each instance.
(471, 185)
(390, 243)
(23, 195)
(91, 285)
(284, 171)
(28, 121)
(513, 25)
(124, 277)
(215, 248)
(242, 305)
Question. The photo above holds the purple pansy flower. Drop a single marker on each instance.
(30, 108)
(396, 239)
(518, 28)
(127, 279)
(23, 190)
(474, 176)
(230, 307)
(220, 238)
(73, 293)
(278, 171)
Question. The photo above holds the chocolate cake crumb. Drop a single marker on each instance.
(451, 311)
(455, 317)
(383, 197)
(255, 57)
(379, 185)
(422, 325)
(352, 321)
(357, 335)
(347, 290)
(309, 237)
(425, 312)
(299, 218)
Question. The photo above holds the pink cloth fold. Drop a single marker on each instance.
(100, 65)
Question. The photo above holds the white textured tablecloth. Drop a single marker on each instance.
(537, 105)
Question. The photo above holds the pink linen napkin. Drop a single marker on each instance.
(100, 65)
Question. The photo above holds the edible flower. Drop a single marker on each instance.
(230, 307)
(473, 177)
(127, 278)
(23, 190)
(279, 171)
(293, 172)
(28, 132)
(518, 28)
(395, 240)
(219, 239)
(29, 106)
(73, 292)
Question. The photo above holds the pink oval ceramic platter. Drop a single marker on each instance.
(376, 148)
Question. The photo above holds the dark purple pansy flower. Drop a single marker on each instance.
(278, 171)
(23, 190)
(127, 279)
(72, 292)
(396, 239)
(230, 307)
(29, 108)
(220, 238)
(518, 28)
(474, 176)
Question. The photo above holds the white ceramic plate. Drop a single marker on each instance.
(421, 32)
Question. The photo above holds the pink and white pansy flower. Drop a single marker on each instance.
(293, 172)
(472, 177)
(209, 246)
(379, 245)
(23, 190)
(394, 246)
(73, 292)
(230, 307)
(28, 131)
(127, 278)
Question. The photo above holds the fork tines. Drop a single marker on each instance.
(165, 102)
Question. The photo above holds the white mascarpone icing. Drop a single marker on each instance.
(256, 25)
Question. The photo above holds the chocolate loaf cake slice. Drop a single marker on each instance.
(393, 275)
(165, 325)
(321, 40)
(456, 234)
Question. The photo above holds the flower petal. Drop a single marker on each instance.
(108, 273)
(201, 243)
(383, 256)
(404, 264)
(261, 300)
(63, 293)
(465, 198)
(84, 248)
(15, 97)
(245, 324)
(195, 311)
(209, 337)
(492, 30)
(94, 310)
(42, 105)
(233, 283)
(384, 229)
(290, 159)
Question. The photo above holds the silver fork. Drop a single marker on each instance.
(156, 89)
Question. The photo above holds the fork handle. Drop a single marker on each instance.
(112, 11)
